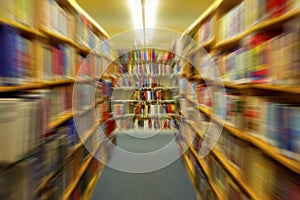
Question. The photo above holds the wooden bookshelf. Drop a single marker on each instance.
(207, 173)
(187, 164)
(92, 184)
(206, 13)
(235, 174)
(270, 150)
(71, 187)
(268, 24)
(79, 174)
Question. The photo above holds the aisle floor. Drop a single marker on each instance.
(171, 182)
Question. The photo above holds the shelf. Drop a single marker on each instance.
(235, 174)
(197, 131)
(88, 191)
(191, 175)
(209, 43)
(235, 85)
(80, 173)
(258, 27)
(74, 149)
(56, 36)
(59, 82)
(28, 86)
(268, 149)
(189, 166)
(278, 88)
(207, 173)
(32, 32)
(207, 12)
(60, 120)
(197, 77)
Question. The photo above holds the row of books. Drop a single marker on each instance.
(85, 96)
(147, 124)
(17, 56)
(76, 26)
(206, 31)
(105, 87)
(144, 80)
(276, 123)
(21, 11)
(26, 117)
(103, 110)
(260, 172)
(55, 18)
(153, 124)
(265, 59)
(153, 69)
(23, 121)
(239, 18)
(260, 116)
(139, 55)
(26, 176)
(25, 61)
(60, 101)
(142, 109)
(148, 95)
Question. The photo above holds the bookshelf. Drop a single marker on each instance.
(50, 159)
(144, 96)
(249, 148)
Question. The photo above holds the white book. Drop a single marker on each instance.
(12, 135)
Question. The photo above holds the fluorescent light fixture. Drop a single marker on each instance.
(136, 7)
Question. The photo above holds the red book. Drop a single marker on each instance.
(54, 60)
(169, 108)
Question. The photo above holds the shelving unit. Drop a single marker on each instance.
(238, 83)
(42, 83)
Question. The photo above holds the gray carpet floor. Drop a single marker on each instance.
(171, 182)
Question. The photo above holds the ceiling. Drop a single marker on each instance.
(115, 15)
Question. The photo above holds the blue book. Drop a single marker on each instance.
(8, 55)
(295, 130)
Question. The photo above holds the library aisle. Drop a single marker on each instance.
(207, 107)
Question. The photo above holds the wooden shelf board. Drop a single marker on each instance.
(208, 43)
(235, 85)
(80, 173)
(278, 20)
(189, 166)
(207, 12)
(21, 27)
(92, 184)
(207, 173)
(28, 86)
(57, 36)
(197, 77)
(60, 120)
(59, 82)
(270, 150)
(260, 26)
(235, 174)
(279, 88)
(230, 42)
